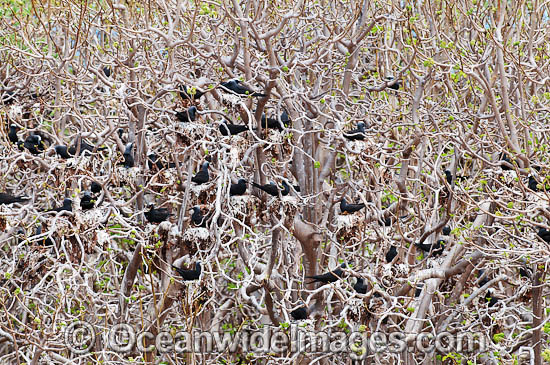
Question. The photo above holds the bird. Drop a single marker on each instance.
(67, 206)
(107, 71)
(544, 234)
(202, 176)
(6, 198)
(87, 201)
(128, 155)
(395, 86)
(197, 218)
(533, 184)
(436, 248)
(446, 230)
(390, 255)
(84, 147)
(45, 241)
(238, 189)
(449, 176)
(236, 87)
(272, 189)
(62, 151)
(482, 279)
(12, 134)
(95, 187)
(8, 97)
(189, 115)
(329, 277)
(153, 160)
(360, 286)
(350, 208)
(228, 129)
(34, 144)
(357, 134)
(385, 221)
(157, 215)
(285, 119)
(490, 298)
(504, 158)
(190, 94)
(270, 123)
(188, 275)
(299, 314)
(418, 290)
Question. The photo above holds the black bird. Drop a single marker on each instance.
(227, 129)
(157, 215)
(533, 184)
(238, 189)
(62, 151)
(490, 298)
(328, 277)
(153, 160)
(236, 87)
(44, 241)
(436, 248)
(8, 97)
(197, 218)
(87, 201)
(189, 115)
(449, 176)
(67, 206)
(34, 144)
(9, 199)
(128, 156)
(395, 86)
(360, 286)
(84, 147)
(95, 187)
(504, 157)
(357, 134)
(190, 94)
(285, 119)
(299, 314)
(446, 230)
(272, 189)
(544, 234)
(350, 208)
(270, 123)
(385, 221)
(202, 176)
(107, 71)
(482, 279)
(12, 134)
(390, 255)
(418, 290)
(188, 275)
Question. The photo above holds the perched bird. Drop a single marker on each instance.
(272, 189)
(394, 86)
(87, 201)
(360, 286)
(285, 119)
(202, 176)
(34, 144)
(107, 71)
(328, 277)
(188, 275)
(238, 189)
(67, 206)
(236, 87)
(299, 314)
(95, 187)
(8, 97)
(533, 184)
(436, 248)
(9, 199)
(490, 298)
(128, 155)
(189, 115)
(190, 94)
(418, 290)
(350, 208)
(449, 176)
(62, 151)
(504, 158)
(157, 215)
(482, 278)
(390, 255)
(544, 234)
(44, 241)
(12, 134)
(446, 230)
(197, 218)
(357, 134)
(228, 129)
(270, 123)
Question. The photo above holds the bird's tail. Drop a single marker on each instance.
(256, 185)
(258, 94)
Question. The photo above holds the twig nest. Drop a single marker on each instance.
(102, 237)
(239, 146)
(127, 176)
(196, 234)
(89, 218)
(242, 204)
(169, 177)
(80, 162)
(192, 131)
(347, 221)
(164, 226)
(357, 146)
